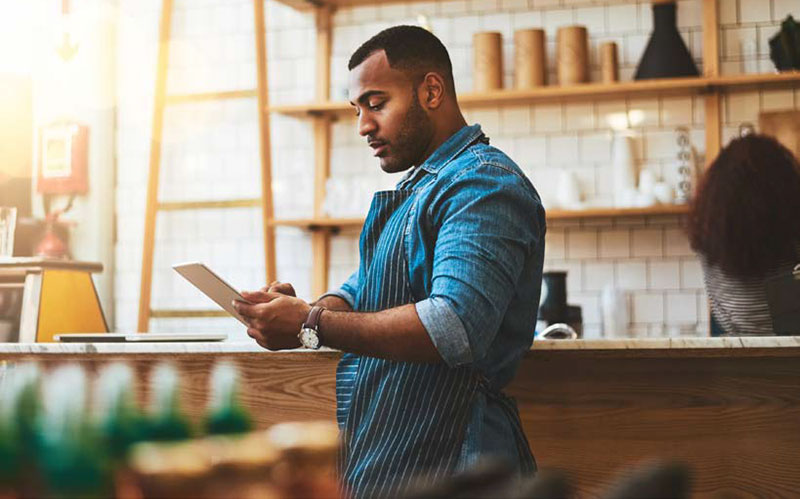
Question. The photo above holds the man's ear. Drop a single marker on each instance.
(433, 91)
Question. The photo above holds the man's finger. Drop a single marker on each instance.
(249, 310)
(283, 288)
(260, 296)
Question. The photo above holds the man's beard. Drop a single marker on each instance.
(412, 139)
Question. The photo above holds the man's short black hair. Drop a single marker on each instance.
(411, 49)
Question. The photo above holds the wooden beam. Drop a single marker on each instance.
(155, 165)
(264, 144)
(711, 70)
(320, 240)
(713, 126)
(710, 38)
(205, 96)
(200, 205)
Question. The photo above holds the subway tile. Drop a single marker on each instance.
(681, 308)
(622, 18)
(582, 244)
(547, 118)
(453, 7)
(595, 147)
(664, 275)
(574, 270)
(676, 111)
(638, 331)
(677, 243)
(690, 14)
(501, 22)
(531, 150)
(648, 308)
(754, 11)
(579, 116)
(590, 307)
(728, 12)
(555, 244)
(563, 150)
(783, 8)
(615, 243)
(597, 275)
(556, 18)
(489, 119)
(594, 18)
(632, 48)
(515, 120)
(646, 110)
(647, 242)
(777, 100)
(512, 5)
(660, 144)
(692, 275)
(736, 40)
(742, 107)
(525, 20)
(483, 6)
(703, 311)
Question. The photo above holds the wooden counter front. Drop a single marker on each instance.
(729, 407)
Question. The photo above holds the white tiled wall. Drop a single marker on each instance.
(211, 149)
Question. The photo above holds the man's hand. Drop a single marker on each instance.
(283, 288)
(274, 318)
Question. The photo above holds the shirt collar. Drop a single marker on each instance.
(445, 153)
(451, 148)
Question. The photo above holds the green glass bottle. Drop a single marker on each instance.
(120, 422)
(72, 458)
(225, 413)
(19, 407)
(166, 421)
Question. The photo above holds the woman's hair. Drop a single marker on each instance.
(745, 216)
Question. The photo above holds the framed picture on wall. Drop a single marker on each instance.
(63, 159)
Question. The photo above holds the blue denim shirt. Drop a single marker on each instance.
(475, 248)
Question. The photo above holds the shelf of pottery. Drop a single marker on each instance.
(666, 68)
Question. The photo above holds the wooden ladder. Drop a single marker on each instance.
(153, 205)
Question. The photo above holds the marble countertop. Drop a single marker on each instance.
(250, 347)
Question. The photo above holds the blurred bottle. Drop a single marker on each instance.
(73, 461)
(225, 413)
(167, 422)
(19, 409)
(120, 422)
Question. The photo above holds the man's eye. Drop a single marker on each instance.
(376, 107)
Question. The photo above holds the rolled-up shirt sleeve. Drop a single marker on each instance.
(488, 224)
(347, 291)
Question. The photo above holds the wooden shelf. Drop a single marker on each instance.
(356, 223)
(586, 91)
(306, 5)
(319, 223)
(671, 209)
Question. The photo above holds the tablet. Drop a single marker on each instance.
(212, 286)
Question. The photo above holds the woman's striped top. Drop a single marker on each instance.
(740, 305)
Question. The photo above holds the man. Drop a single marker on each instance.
(443, 306)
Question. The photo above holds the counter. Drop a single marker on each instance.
(728, 406)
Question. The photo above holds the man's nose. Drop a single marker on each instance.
(366, 125)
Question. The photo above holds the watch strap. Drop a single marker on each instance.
(312, 322)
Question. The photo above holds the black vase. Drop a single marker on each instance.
(553, 304)
(665, 56)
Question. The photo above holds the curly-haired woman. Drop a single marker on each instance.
(745, 224)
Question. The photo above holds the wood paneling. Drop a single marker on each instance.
(733, 415)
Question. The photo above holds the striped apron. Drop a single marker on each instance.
(403, 423)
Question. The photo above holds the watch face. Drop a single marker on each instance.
(309, 338)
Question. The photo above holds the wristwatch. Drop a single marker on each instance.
(309, 333)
